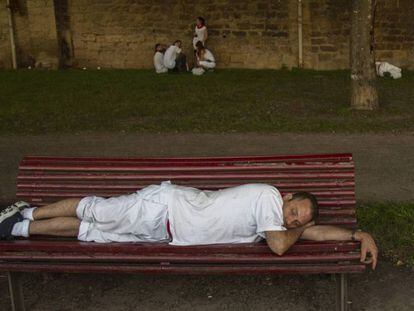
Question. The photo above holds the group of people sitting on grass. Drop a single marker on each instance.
(172, 58)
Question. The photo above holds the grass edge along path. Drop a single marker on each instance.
(391, 224)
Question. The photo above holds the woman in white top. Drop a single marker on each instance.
(205, 59)
(159, 59)
(200, 32)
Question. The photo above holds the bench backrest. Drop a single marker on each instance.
(43, 180)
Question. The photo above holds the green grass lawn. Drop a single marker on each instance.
(392, 226)
(222, 101)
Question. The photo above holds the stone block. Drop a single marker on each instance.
(318, 41)
(328, 48)
(239, 34)
(237, 58)
(324, 57)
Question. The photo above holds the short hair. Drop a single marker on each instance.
(303, 195)
(202, 20)
(176, 41)
(156, 46)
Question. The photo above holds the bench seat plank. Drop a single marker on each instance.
(52, 245)
(185, 269)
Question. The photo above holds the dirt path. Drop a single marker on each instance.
(388, 288)
(384, 163)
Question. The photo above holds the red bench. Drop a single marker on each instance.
(42, 180)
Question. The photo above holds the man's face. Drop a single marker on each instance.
(178, 44)
(296, 213)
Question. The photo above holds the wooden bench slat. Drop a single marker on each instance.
(181, 258)
(322, 196)
(186, 269)
(160, 177)
(132, 188)
(322, 187)
(345, 157)
(52, 245)
(195, 168)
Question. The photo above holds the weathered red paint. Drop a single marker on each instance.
(43, 180)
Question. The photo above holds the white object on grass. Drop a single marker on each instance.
(198, 71)
(384, 67)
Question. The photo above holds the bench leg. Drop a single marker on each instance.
(342, 302)
(16, 293)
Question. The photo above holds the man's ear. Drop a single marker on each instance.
(287, 197)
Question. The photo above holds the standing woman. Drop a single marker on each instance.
(200, 32)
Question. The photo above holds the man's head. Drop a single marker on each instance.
(298, 209)
(177, 43)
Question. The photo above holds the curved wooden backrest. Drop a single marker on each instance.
(43, 180)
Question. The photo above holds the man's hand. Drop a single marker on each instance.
(332, 233)
(368, 246)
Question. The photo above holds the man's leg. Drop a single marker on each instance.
(58, 226)
(64, 208)
(58, 219)
(181, 63)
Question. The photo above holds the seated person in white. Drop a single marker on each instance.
(174, 58)
(159, 59)
(184, 216)
(205, 59)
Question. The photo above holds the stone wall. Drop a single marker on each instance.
(243, 33)
(394, 33)
(43, 35)
(326, 37)
(35, 33)
(250, 34)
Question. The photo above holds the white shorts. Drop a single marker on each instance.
(137, 217)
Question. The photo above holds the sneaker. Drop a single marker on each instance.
(8, 218)
(21, 205)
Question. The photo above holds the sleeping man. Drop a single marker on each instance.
(184, 216)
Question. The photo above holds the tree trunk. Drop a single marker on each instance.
(363, 74)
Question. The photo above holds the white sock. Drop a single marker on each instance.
(27, 213)
(21, 228)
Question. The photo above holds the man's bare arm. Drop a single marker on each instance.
(280, 241)
(327, 233)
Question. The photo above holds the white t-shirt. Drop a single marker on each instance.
(199, 35)
(208, 56)
(170, 55)
(159, 62)
(234, 215)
